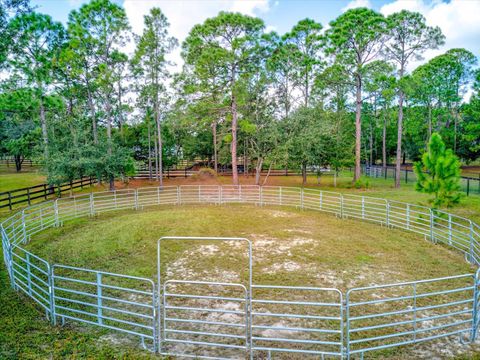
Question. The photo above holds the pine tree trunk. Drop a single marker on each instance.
(160, 165)
(43, 122)
(109, 140)
(358, 129)
(258, 170)
(399, 130)
(215, 151)
(304, 173)
(268, 174)
(233, 146)
(149, 153)
(384, 144)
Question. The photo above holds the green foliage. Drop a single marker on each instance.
(439, 173)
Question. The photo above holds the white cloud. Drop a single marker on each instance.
(458, 20)
(356, 4)
(184, 14)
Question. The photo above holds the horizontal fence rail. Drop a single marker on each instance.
(40, 192)
(226, 320)
(468, 184)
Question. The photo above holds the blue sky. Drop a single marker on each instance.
(458, 19)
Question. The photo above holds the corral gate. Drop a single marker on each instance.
(207, 319)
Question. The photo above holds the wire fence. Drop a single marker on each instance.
(183, 317)
(468, 184)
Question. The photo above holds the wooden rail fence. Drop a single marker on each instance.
(42, 191)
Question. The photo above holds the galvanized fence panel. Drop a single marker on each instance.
(74, 207)
(205, 319)
(293, 320)
(326, 201)
(114, 200)
(384, 316)
(113, 301)
(38, 217)
(289, 196)
(13, 228)
(365, 208)
(456, 232)
(410, 217)
(150, 196)
(377, 317)
(31, 275)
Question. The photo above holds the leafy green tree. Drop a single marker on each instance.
(97, 30)
(409, 38)
(282, 57)
(306, 40)
(356, 38)
(9, 9)
(37, 41)
(150, 67)
(471, 127)
(380, 85)
(227, 45)
(439, 173)
(19, 130)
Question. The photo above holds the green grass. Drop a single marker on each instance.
(12, 181)
(362, 251)
(318, 243)
(290, 247)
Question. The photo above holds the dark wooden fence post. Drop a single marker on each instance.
(10, 200)
(45, 191)
(28, 196)
(468, 186)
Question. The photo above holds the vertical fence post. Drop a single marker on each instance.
(10, 200)
(55, 209)
(406, 176)
(449, 229)
(387, 213)
(92, 205)
(472, 259)
(431, 226)
(468, 186)
(156, 321)
(158, 195)
(51, 294)
(473, 333)
(408, 217)
(28, 196)
(414, 312)
(99, 299)
(301, 197)
(280, 195)
(29, 273)
(135, 194)
(321, 200)
(363, 207)
(341, 206)
(261, 196)
(178, 195)
(44, 191)
(24, 228)
(10, 266)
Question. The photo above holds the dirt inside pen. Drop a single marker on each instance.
(290, 247)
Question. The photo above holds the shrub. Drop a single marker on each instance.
(439, 173)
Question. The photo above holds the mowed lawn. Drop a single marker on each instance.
(290, 247)
(11, 180)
